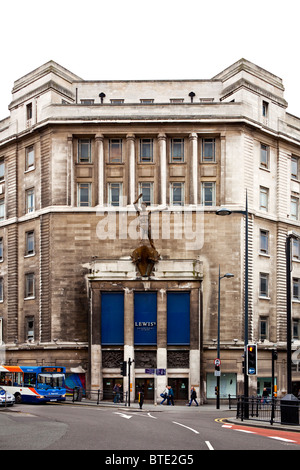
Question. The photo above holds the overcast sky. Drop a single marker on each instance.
(158, 39)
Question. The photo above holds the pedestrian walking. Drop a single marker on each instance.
(170, 396)
(164, 395)
(116, 391)
(141, 396)
(193, 396)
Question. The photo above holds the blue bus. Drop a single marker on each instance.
(34, 384)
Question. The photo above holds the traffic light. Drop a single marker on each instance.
(124, 368)
(251, 359)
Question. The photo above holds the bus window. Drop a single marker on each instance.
(51, 380)
(29, 379)
(18, 379)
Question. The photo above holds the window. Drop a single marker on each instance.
(115, 151)
(29, 200)
(29, 240)
(29, 158)
(29, 286)
(265, 108)
(84, 150)
(84, 194)
(177, 194)
(30, 328)
(296, 329)
(176, 100)
(295, 168)
(146, 150)
(2, 169)
(264, 156)
(146, 189)
(177, 151)
(264, 241)
(263, 328)
(296, 248)
(1, 249)
(117, 101)
(263, 285)
(209, 193)
(87, 102)
(208, 151)
(1, 289)
(114, 194)
(264, 199)
(2, 209)
(147, 100)
(294, 208)
(296, 289)
(29, 111)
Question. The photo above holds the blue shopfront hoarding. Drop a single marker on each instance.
(112, 318)
(145, 318)
(178, 318)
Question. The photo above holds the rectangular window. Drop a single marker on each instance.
(265, 108)
(145, 318)
(295, 168)
(29, 285)
(1, 249)
(1, 289)
(177, 194)
(112, 318)
(146, 150)
(2, 209)
(264, 241)
(29, 240)
(263, 285)
(29, 111)
(263, 328)
(296, 289)
(208, 150)
(178, 318)
(294, 208)
(2, 169)
(87, 102)
(147, 100)
(117, 101)
(84, 151)
(29, 201)
(209, 193)
(296, 329)
(115, 151)
(264, 156)
(30, 328)
(264, 199)
(29, 158)
(114, 194)
(146, 189)
(84, 194)
(177, 151)
(296, 248)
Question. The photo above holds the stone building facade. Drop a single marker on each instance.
(109, 240)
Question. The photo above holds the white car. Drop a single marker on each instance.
(6, 398)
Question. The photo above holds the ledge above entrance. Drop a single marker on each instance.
(108, 269)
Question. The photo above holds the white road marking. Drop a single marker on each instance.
(281, 439)
(191, 429)
(244, 430)
(123, 415)
(209, 445)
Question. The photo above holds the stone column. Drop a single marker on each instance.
(194, 167)
(162, 143)
(70, 173)
(100, 156)
(131, 156)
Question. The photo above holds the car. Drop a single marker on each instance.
(6, 398)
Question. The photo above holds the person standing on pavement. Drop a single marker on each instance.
(193, 396)
(141, 396)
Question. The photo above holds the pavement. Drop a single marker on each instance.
(157, 408)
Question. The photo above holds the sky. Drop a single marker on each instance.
(157, 39)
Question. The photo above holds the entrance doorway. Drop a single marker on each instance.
(108, 388)
(148, 386)
(180, 388)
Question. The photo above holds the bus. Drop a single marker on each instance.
(34, 384)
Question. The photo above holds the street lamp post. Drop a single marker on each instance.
(227, 275)
(225, 212)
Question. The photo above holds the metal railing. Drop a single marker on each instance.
(271, 410)
(99, 395)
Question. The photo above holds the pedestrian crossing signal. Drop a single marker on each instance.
(251, 359)
(124, 368)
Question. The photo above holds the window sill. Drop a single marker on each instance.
(263, 297)
(29, 298)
